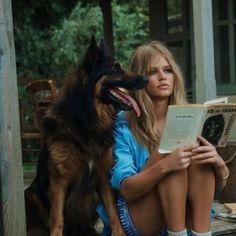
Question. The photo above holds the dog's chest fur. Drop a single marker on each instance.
(73, 150)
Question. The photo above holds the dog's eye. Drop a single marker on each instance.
(117, 69)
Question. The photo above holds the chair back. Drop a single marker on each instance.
(43, 93)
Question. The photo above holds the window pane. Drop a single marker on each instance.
(222, 10)
(224, 76)
(174, 16)
(181, 52)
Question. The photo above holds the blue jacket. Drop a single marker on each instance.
(129, 155)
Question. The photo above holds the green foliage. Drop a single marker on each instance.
(71, 39)
(41, 15)
(52, 52)
(49, 48)
(130, 29)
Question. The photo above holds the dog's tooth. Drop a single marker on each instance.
(122, 89)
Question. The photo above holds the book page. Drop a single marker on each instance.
(223, 100)
(218, 122)
(183, 125)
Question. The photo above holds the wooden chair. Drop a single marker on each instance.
(43, 93)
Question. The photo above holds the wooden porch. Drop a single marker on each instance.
(222, 227)
(219, 227)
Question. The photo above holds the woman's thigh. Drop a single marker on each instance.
(146, 214)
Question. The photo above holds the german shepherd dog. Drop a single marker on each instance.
(73, 171)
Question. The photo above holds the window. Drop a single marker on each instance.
(224, 13)
(177, 37)
(170, 22)
(174, 16)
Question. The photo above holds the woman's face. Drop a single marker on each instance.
(160, 79)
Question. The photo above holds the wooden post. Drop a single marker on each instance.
(107, 23)
(204, 50)
(12, 207)
(157, 19)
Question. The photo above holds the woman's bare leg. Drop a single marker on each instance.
(146, 214)
(173, 193)
(201, 195)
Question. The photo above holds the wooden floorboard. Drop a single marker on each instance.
(222, 227)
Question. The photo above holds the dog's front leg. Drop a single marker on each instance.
(57, 199)
(109, 202)
(108, 198)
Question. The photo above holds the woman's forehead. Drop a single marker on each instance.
(159, 60)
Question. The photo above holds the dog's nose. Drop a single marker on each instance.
(142, 82)
(145, 79)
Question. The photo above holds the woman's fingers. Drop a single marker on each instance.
(203, 149)
(204, 141)
(189, 147)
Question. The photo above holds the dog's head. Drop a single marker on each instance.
(107, 80)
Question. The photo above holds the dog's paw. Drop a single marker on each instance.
(57, 231)
(118, 232)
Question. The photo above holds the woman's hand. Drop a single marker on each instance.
(206, 154)
(180, 158)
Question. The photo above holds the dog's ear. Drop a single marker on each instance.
(93, 44)
(91, 55)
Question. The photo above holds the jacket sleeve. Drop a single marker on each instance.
(123, 157)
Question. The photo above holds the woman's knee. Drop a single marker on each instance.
(174, 182)
(173, 189)
(201, 179)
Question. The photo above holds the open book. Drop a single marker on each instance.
(213, 120)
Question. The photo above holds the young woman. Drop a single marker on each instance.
(155, 191)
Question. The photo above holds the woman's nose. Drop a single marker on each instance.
(161, 75)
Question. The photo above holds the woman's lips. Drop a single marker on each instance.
(163, 86)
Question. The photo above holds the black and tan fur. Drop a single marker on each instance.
(73, 171)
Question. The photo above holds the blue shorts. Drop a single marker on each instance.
(126, 221)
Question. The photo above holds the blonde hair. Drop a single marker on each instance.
(145, 127)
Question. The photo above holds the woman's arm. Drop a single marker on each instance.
(157, 167)
(207, 154)
(137, 185)
(222, 175)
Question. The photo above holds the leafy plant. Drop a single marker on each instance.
(130, 29)
(52, 52)
(69, 41)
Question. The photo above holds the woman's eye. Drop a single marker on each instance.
(153, 72)
(168, 70)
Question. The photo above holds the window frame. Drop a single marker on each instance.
(230, 87)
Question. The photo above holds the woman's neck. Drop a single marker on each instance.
(161, 107)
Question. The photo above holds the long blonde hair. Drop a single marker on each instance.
(145, 127)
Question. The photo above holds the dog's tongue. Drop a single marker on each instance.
(128, 100)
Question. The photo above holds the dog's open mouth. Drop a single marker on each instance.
(125, 99)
